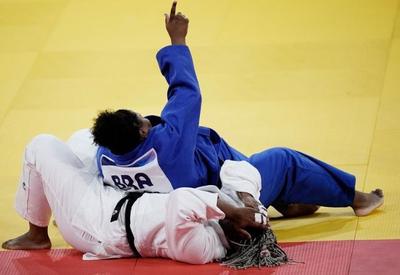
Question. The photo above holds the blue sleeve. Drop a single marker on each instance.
(176, 136)
(181, 114)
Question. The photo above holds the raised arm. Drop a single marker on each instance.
(182, 111)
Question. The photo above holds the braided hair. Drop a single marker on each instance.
(260, 251)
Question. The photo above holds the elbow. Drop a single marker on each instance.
(193, 256)
(201, 261)
(199, 98)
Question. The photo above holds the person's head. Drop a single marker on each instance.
(120, 131)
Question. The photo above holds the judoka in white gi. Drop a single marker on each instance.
(182, 225)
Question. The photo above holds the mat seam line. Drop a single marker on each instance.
(376, 121)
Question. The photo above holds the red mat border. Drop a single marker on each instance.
(319, 257)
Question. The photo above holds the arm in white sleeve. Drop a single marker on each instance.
(240, 176)
(190, 236)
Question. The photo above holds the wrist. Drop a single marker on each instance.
(244, 195)
(226, 207)
(248, 199)
(178, 41)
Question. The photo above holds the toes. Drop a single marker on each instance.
(7, 245)
(378, 192)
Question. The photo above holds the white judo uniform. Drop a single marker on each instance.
(62, 179)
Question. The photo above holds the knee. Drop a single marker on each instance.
(36, 145)
(41, 140)
(280, 154)
(81, 135)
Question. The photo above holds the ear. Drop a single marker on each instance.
(143, 133)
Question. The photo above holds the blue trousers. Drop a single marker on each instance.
(289, 176)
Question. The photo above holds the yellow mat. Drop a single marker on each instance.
(322, 77)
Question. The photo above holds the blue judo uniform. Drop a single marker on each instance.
(179, 153)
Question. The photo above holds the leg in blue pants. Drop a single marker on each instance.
(289, 177)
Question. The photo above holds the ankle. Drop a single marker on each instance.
(359, 199)
(37, 233)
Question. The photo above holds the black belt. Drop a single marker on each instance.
(131, 197)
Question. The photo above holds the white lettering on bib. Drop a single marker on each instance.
(143, 174)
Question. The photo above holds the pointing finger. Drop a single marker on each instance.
(173, 10)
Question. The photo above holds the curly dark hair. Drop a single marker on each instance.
(117, 130)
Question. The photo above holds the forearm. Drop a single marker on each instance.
(176, 65)
(182, 111)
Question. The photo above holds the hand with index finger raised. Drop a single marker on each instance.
(177, 26)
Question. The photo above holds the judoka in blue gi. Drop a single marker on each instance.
(171, 151)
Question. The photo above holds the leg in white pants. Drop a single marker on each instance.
(53, 178)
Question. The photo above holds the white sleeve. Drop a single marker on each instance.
(240, 176)
(190, 236)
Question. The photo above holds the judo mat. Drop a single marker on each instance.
(320, 77)
(324, 257)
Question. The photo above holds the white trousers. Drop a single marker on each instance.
(54, 180)
(180, 225)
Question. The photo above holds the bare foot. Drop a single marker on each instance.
(35, 238)
(365, 203)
